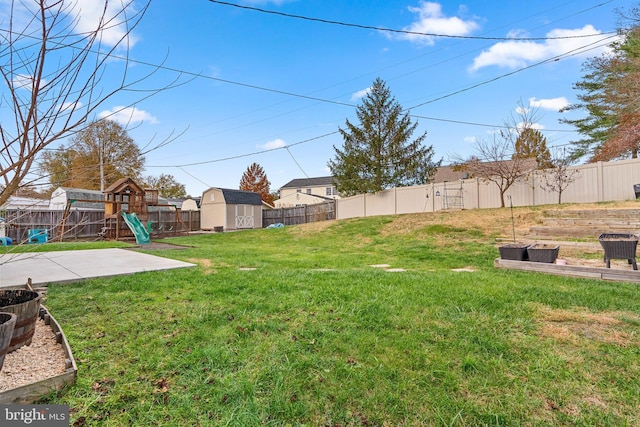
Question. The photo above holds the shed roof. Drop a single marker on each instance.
(310, 182)
(239, 197)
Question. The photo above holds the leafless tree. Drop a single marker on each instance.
(559, 177)
(495, 159)
(57, 70)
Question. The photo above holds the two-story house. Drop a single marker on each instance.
(307, 191)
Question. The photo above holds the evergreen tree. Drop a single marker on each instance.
(255, 179)
(610, 93)
(530, 143)
(379, 153)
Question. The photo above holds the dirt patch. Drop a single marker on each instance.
(577, 325)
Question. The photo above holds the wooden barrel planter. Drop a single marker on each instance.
(25, 305)
(7, 324)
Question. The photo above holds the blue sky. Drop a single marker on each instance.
(257, 81)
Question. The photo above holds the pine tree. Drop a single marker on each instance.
(610, 94)
(530, 143)
(255, 179)
(379, 153)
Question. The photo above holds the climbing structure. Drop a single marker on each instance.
(123, 196)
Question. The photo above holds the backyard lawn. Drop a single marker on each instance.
(294, 326)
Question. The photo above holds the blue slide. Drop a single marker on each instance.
(139, 230)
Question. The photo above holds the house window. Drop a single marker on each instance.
(331, 191)
(212, 197)
(328, 191)
(299, 190)
(308, 191)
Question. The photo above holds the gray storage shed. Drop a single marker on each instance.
(225, 209)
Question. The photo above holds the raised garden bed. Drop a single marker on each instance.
(543, 253)
(619, 246)
(40, 384)
(514, 251)
(599, 273)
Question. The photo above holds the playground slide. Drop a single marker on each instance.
(139, 230)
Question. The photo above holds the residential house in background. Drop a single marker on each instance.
(225, 209)
(307, 191)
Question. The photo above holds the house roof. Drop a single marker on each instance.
(448, 174)
(122, 184)
(310, 182)
(239, 197)
(82, 193)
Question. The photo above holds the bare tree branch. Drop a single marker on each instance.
(56, 74)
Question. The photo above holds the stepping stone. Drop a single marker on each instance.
(395, 270)
(380, 266)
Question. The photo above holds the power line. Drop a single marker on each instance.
(392, 30)
(239, 156)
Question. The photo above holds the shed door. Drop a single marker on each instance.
(244, 216)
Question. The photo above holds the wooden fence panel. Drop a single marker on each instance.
(86, 224)
(299, 214)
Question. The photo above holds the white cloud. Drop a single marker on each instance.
(555, 104)
(90, 12)
(272, 145)
(522, 125)
(128, 115)
(431, 20)
(85, 14)
(515, 53)
(71, 106)
(360, 94)
(521, 110)
(23, 81)
(470, 139)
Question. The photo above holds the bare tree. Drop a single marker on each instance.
(57, 71)
(559, 177)
(496, 160)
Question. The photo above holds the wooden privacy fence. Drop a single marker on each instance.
(86, 224)
(299, 214)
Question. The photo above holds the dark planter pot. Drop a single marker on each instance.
(7, 325)
(26, 306)
(543, 253)
(619, 246)
(514, 251)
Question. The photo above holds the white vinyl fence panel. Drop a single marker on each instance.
(594, 182)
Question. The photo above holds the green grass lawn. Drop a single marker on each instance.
(294, 327)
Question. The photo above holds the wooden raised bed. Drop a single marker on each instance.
(29, 393)
(599, 273)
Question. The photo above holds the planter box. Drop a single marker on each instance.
(514, 251)
(619, 246)
(543, 253)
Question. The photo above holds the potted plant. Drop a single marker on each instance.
(619, 246)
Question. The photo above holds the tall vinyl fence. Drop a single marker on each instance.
(299, 214)
(86, 224)
(594, 182)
